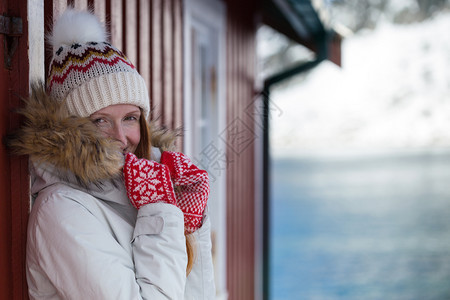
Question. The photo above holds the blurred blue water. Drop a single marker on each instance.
(361, 228)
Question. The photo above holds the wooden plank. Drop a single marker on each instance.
(144, 41)
(241, 257)
(156, 90)
(80, 4)
(250, 47)
(99, 8)
(167, 58)
(58, 7)
(178, 67)
(249, 205)
(52, 10)
(130, 30)
(232, 276)
(240, 175)
(19, 184)
(5, 183)
(230, 182)
(114, 10)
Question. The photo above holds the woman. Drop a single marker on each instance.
(113, 217)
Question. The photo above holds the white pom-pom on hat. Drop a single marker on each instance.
(76, 27)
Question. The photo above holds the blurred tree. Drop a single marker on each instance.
(365, 14)
(428, 7)
(357, 14)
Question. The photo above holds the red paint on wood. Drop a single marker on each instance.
(156, 66)
(240, 175)
(80, 4)
(115, 19)
(167, 58)
(144, 41)
(99, 8)
(5, 186)
(130, 30)
(14, 177)
(178, 67)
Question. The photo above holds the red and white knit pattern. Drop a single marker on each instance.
(94, 75)
(147, 182)
(191, 188)
(78, 63)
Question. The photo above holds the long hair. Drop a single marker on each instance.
(143, 150)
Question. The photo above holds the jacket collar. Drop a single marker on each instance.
(44, 175)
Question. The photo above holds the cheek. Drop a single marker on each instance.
(134, 136)
(105, 131)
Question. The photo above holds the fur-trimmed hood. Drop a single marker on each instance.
(71, 146)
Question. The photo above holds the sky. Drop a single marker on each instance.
(391, 93)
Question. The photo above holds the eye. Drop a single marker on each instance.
(100, 122)
(130, 118)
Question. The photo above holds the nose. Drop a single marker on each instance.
(118, 133)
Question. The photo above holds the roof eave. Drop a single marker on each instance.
(304, 22)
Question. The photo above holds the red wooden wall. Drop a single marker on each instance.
(241, 58)
(150, 33)
(14, 180)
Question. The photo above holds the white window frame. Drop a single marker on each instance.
(205, 32)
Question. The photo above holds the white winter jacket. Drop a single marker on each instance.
(93, 244)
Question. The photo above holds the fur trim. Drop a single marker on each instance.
(77, 27)
(163, 138)
(74, 144)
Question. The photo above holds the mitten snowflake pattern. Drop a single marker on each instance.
(147, 182)
(191, 188)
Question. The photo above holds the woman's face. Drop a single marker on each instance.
(120, 122)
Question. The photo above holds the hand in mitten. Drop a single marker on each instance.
(147, 181)
(191, 188)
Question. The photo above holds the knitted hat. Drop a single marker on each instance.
(87, 71)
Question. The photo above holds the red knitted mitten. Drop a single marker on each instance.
(191, 188)
(147, 181)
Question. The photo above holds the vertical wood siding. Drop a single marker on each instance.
(150, 34)
(14, 179)
(241, 50)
